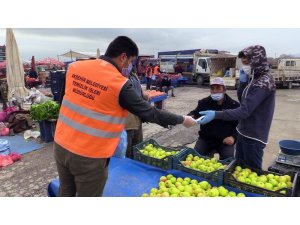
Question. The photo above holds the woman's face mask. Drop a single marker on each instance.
(217, 96)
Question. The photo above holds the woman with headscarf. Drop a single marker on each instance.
(256, 111)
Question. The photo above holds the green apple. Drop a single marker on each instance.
(153, 190)
(273, 182)
(269, 186)
(204, 185)
(177, 184)
(152, 195)
(179, 179)
(174, 190)
(270, 176)
(158, 195)
(232, 194)
(244, 174)
(194, 181)
(187, 179)
(184, 183)
(169, 176)
(198, 190)
(248, 180)
(161, 184)
(262, 179)
(241, 179)
(188, 189)
(214, 192)
(173, 180)
(282, 185)
(261, 184)
(283, 192)
(289, 184)
(180, 188)
(254, 182)
(241, 195)
(276, 177)
(165, 194)
(174, 195)
(196, 158)
(223, 192)
(184, 194)
(288, 178)
(282, 179)
(163, 179)
(194, 186)
(168, 183)
(201, 194)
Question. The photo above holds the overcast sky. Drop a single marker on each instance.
(50, 42)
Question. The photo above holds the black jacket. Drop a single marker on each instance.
(166, 83)
(216, 130)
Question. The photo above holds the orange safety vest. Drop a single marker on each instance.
(150, 72)
(156, 70)
(91, 120)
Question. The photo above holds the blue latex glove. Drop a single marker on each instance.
(209, 115)
(243, 76)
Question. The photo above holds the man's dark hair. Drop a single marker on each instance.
(241, 54)
(122, 44)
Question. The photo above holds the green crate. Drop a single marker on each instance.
(165, 163)
(230, 180)
(216, 176)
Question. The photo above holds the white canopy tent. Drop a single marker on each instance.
(72, 54)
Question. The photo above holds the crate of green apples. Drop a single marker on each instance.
(190, 161)
(150, 152)
(266, 183)
(171, 186)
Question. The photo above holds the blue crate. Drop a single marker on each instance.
(216, 176)
(47, 129)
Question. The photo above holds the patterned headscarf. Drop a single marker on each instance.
(260, 67)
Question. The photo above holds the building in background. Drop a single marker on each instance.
(2, 53)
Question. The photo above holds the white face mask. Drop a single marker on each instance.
(217, 96)
(247, 69)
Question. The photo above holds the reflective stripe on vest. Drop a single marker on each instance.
(91, 120)
(92, 114)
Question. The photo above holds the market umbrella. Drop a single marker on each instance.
(50, 61)
(33, 68)
(14, 68)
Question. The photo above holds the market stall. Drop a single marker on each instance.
(130, 178)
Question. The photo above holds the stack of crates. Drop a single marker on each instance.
(57, 79)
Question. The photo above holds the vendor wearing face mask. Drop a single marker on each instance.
(218, 136)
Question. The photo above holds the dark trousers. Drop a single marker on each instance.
(79, 175)
(133, 137)
(208, 148)
(249, 151)
(148, 83)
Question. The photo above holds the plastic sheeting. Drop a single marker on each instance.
(129, 178)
